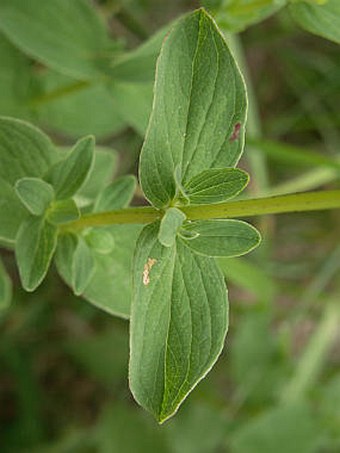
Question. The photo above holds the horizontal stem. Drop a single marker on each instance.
(141, 215)
(309, 201)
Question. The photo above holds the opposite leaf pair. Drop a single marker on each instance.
(49, 204)
(179, 315)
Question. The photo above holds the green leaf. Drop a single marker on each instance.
(35, 245)
(215, 185)
(117, 195)
(100, 240)
(110, 285)
(178, 322)
(63, 211)
(320, 19)
(68, 175)
(237, 15)
(35, 194)
(221, 237)
(12, 213)
(76, 109)
(24, 152)
(75, 262)
(83, 267)
(67, 36)
(170, 224)
(5, 288)
(198, 116)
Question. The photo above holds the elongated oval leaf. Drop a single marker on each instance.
(320, 19)
(68, 175)
(222, 237)
(66, 35)
(25, 151)
(216, 185)
(199, 109)
(178, 322)
(170, 224)
(35, 194)
(35, 245)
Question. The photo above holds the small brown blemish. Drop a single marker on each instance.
(147, 268)
(236, 132)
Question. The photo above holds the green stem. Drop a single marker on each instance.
(310, 201)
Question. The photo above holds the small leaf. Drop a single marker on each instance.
(320, 19)
(178, 322)
(222, 237)
(100, 240)
(63, 211)
(199, 102)
(25, 151)
(35, 194)
(35, 245)
(110, 287)
(67, 36)
(68, 175)
(117, 195)
(170, 224)
(216, 185)
(83, 267)
(5, 288)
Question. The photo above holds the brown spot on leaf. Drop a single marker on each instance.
(147, 268)
(236, 132)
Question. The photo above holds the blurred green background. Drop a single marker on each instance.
(276, 387)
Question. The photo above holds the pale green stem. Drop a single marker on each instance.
(310, 201)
